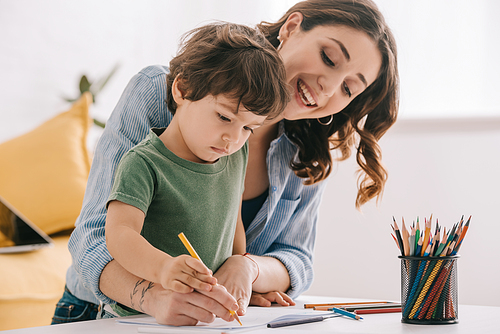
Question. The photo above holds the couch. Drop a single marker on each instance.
(43, 174)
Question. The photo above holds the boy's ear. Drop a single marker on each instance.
(291, 25)
(177, 92)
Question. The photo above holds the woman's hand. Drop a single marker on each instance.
(166, 306)
(237, 275)
(265, 299)
(186, 309)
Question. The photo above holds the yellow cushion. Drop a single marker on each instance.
(44, 172)
(31, 284)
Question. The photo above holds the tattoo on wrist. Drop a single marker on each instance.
(135, 292)
(141, 301)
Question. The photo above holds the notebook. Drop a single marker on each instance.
(17, 233)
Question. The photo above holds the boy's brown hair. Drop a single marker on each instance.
(231, 59)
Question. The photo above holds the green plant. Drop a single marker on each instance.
(94, 88)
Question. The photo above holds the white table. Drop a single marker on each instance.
(472, 319)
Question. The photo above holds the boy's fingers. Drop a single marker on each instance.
(242, 307)
(198, 266)
(180, 287)
(206, 278)
(196, 283)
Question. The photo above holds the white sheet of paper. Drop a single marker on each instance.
(256, 317)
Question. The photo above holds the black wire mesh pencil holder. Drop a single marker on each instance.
(429, 293)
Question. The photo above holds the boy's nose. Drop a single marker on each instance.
(230, 137)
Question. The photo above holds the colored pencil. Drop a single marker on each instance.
(193, 253)
(417, 235)
(405, 235)
(378, 310)
(398, 236)
(462, 236)
(352, 308)
(428, 295)
(395, 240)
(346, 313)
(412, 242)
(426, 236)
(372, 306)
(344, 304)
(435, 243)
(419, 246)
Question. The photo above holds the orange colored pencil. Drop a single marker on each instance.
(426, 236)
(193, 253)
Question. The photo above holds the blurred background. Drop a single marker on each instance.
(442, 155)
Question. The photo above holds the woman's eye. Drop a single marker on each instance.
(327, 60)
(347, 90)
(248, 129)
(224, 118)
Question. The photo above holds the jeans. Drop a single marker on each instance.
(72, 309)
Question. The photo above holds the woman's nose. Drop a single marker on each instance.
(329, 84)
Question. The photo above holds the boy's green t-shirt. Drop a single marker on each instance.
(176, 195)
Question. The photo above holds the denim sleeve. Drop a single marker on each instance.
(140, 107)
(294, 245)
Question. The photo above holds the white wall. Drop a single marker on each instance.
(447, 168)
(45, 47)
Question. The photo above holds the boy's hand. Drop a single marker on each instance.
(236, 276)
(265, 299)
(184, 273)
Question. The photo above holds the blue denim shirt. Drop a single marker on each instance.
(284, 228)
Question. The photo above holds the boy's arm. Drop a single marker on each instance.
(123, 225)
(126, 245)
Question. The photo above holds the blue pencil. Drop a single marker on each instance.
(346, 313)
(409, 300)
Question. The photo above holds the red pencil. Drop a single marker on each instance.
(343, 304)
(378, 310)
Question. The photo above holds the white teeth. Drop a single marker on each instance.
(306, 96)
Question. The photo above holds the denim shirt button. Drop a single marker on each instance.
(275, 188)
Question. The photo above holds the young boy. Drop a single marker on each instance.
(225, 81)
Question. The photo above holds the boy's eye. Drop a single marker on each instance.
(326, 59)
(224, 118)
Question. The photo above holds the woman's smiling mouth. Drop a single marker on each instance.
(304, 94)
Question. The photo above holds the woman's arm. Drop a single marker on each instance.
(140, 107)
(93, 271)
(281, 237)
(166, 306)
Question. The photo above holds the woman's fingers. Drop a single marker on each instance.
(177, 309)
(258, 300)
(266, 299)
(220, 302)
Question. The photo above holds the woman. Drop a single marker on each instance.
(340, 59)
